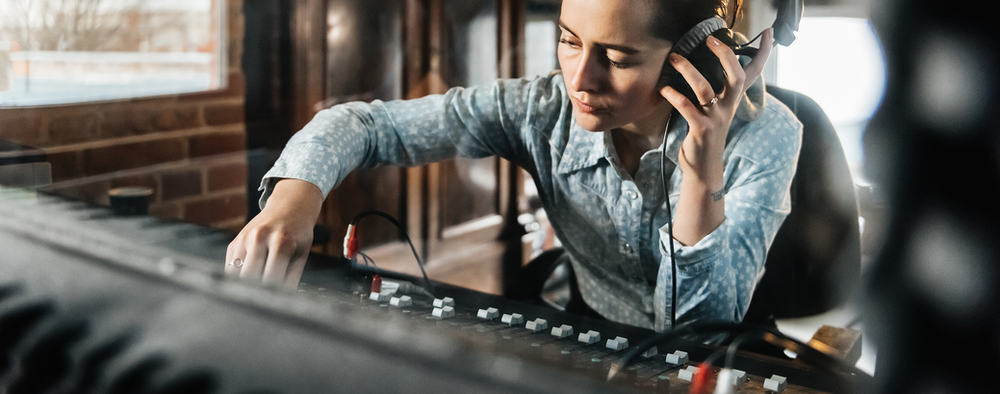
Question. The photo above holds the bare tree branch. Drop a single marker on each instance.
(71, 25)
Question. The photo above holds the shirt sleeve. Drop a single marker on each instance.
(716, 277)
(471, 122)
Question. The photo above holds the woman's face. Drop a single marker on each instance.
(611, 64)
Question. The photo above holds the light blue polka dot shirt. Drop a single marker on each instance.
(612, 225)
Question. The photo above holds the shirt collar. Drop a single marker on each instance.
(678, 129)
(584, 149)
(587, 148)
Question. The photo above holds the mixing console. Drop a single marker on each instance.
(574, 344)
(93, 302)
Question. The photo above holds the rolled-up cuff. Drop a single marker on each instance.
(709, 246)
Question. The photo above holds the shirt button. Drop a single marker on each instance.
(632, 194)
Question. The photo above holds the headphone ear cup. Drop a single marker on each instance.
(786, 23)
(783, 34)
(706, 62)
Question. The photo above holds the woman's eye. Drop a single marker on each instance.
(617, 64)
(567, 42)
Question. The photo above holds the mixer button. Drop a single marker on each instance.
(775, 383)
(401, 301)
(488, 313)
(443, 302)
(678, 357)
(512, 319)
(379, 297)
(619, 343)
(537, 325)
(589, 337)
(443, 313)
(734, 376)
(687, 373)
(562, 331)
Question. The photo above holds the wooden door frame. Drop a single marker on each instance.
(498, 233)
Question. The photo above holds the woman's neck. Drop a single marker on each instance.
(633, 140)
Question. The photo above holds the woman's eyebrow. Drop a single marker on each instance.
(619, 48)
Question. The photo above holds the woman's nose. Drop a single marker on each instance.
(587, 73)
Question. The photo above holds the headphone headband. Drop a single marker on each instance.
(697, 35)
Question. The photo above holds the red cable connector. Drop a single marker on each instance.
(350, 243)
(699, 382)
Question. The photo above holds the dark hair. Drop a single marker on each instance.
(672, 18)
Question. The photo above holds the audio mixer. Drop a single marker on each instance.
(95, 302)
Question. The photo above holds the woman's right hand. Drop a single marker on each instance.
(274, 246)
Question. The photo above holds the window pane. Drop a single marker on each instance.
(541, 34)
(839, 63)
(66, 51)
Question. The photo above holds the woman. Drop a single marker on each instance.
(592, 138)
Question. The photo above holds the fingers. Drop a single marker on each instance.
(269, 256)
(756, 66)
(734, 71)
(278, 260)
(701, 87)
(298, 264)
(255, 259)
(234, 258)
(680, 102)
(738, 78)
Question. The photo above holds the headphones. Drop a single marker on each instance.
(692, 47)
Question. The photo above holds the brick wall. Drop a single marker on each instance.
(187, 147)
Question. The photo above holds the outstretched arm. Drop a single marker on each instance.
(475, 122)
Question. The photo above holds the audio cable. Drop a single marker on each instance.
(351, 242)
(768, 334)
(670, 225)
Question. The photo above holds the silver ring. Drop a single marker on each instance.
(236, 263)
(710, 102)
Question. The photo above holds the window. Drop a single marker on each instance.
(839, 63)
(541, 36)
(69, 51)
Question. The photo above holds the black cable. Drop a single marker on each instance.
(402, 230)
(769, 334)
(730, 350)
(735, 345)
(670, 225)
(369, 260)
(685, 329)
(755, 38)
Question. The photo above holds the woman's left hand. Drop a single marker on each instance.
(701, 207)
(701, 153)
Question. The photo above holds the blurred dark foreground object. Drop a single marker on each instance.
(934, 146)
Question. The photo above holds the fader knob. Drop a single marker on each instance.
(400, 302)
(618, 343)
(776, 383)
(512, 319)
(687, 373)
(537, 325)
(443, 302)
(589, 337)
(443, 313)
(678, 357)
(488, 313)
(562, 331)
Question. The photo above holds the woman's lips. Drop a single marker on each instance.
(587, 108)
